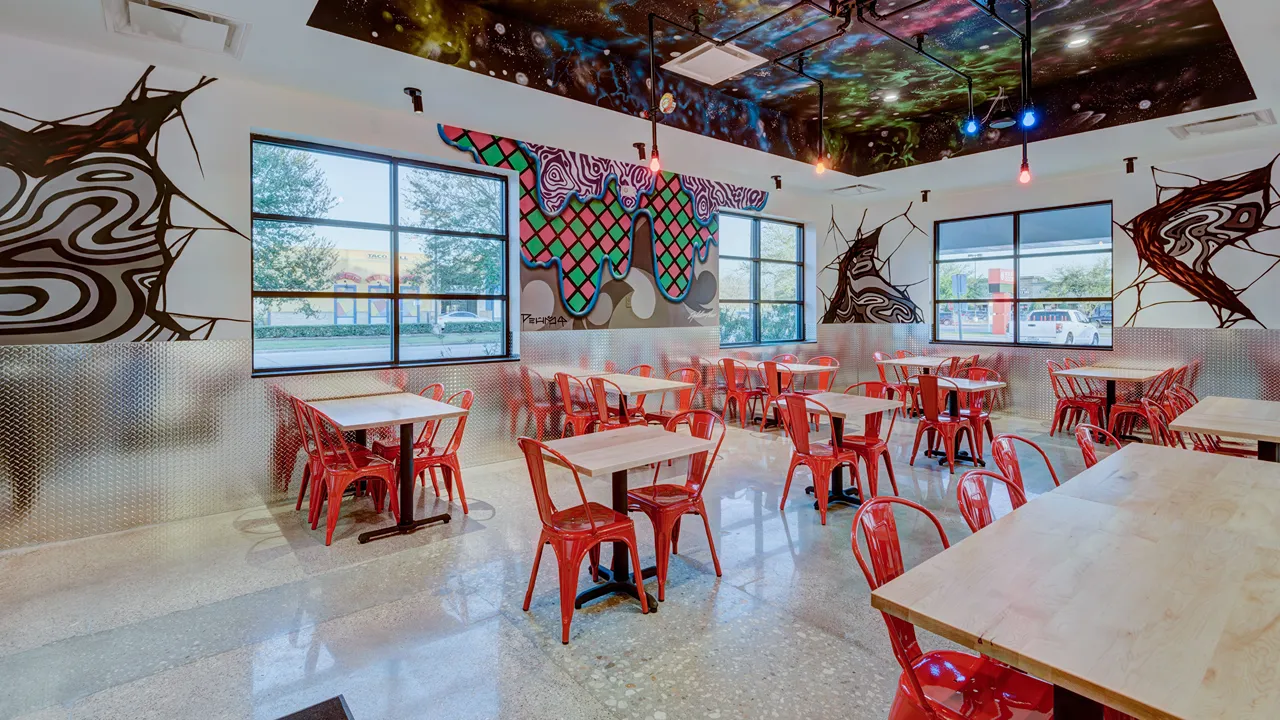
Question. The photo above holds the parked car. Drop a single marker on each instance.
(454, 318)
(1101, 315)
(946, 317)
(1060, 327)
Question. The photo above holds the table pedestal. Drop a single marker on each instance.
(953, 409)
(838, 493)
(618, 579)
(406, 524)
(1070, 706)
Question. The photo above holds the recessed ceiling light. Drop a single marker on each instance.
(984, 47)
(1078, 42)
(890, 97)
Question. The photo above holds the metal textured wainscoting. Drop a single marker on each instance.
(99, 438)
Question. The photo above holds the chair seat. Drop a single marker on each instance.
(574, 519)
(660, 495)
(391, 451)
(863, 442)
(364, 461)
(961, 686)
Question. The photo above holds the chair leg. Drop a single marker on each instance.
(593, 559)
(533, 576)
(569, 559)
(786, 487)
(635, 563)
(454, 468)
(915, 447)
(888, 466)
(821, 489)
(302, 489)
(675, 537)
(662, 547)
(715, 559)
(873, 474)
(335, 506)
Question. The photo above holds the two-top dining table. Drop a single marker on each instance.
(843, 407)
(1111, 375)
(358, 414)
(1149, 583)
(1236, 418)
(612, 454)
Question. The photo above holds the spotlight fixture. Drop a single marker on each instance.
(777, 182)
(1029, 117)
(1024, 176)
(890, 96)
(416, 94)
(639, 149)
(1078, 42)
(971, 126)
(1128, 165)
(924, 196)
(654, 164)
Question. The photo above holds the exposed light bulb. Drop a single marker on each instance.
(1029, 117)
(971, 126)
(820, 167)
(1024, 177)
(654, 164)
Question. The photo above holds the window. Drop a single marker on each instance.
(1051, 269)
(363, 260)
(761, 281)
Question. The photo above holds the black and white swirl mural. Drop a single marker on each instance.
(91, 226)
(864, 291)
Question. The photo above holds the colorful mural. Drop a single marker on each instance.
(1208, 243)
(864, 291)
(885, 107)
(91, 226)
(590, 219)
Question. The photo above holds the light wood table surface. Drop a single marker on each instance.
(404, 409)
(1237, 418)
(797, 369)
(1149, 583)
(927, 362)
(853, 406)
(549, 371)
(1111, 376)
(613, 453)
(636, 385)
(964, 384)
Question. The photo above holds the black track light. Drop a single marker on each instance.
(416, 94)
(777, 182)
(1128, 165)
(924, 196)
(640, 150)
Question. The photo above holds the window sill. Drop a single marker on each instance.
(768, 344)
(1033, 346)
(294, 372)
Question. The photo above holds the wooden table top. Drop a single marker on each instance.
(1150, 583)
(1099, 372)
(371, 411)
(923, 361)
(853, 406)
(636, 385)
(1233, 417)
(964, 384)
(604, 453)
(549, 371)
(795, 368)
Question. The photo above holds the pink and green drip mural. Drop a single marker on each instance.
(615, 244)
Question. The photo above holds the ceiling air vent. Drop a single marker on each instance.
(1217, 126)
(713, 64)
(858, 189)
(176, 24)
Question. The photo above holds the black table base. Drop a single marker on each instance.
(961, 456)
(407, 524)
(1068, 705)
(838, 493)
(621, 562)
(1268, 451)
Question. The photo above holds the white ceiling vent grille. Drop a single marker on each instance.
(1217, 126)
(858, 189)
(176, 24)
(713, 64)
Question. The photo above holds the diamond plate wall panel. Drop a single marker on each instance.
(99, 438)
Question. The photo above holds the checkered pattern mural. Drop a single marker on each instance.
(588, 237)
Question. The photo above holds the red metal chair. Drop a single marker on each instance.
(898, 383)
(310, 468)
(738, 389)
(666, 504)
(683, 398)
(823, 380)
(636, 407)
(1158, 421)
(943, 684)
(573, 532)
(607, 417)
(340, 466)
(390, 449)
(870, 446)
(787, 358)
(579, 412)
(1070, 406)
(975, 502)
(708, 385)
(949, 367)
(777, 381)
(976, 406)
(1126, 415)
(1005, 454)
(1085, 434)
(820, 457)
(964, 364)
(1096, 389)
(427, 458)
(938, 426)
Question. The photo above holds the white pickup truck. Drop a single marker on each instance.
(1060, 327)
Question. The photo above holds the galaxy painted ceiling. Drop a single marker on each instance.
(1096, 64)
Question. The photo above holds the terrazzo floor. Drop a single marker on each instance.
(248, 615)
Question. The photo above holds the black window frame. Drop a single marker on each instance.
(394, 292)
(1017, 256)
(756, 261)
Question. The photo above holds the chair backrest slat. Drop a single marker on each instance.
(975, 502)
(1005, 453)
(1085, 434)
(535, 460)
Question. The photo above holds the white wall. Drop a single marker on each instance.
(1130, 194)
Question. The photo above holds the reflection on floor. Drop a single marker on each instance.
(248, 614)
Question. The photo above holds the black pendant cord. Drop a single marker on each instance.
(653, 89)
